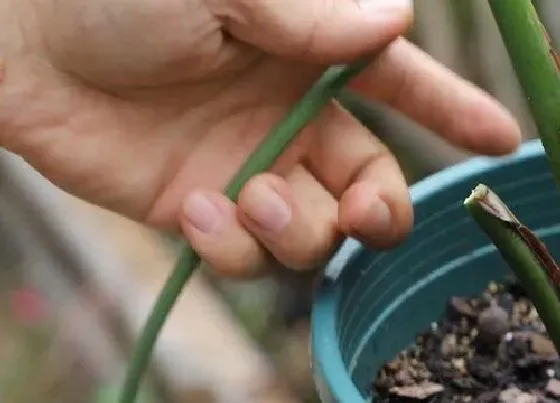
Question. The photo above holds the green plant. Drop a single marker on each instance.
(537, 66)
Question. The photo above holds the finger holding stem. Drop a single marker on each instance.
(279, 138)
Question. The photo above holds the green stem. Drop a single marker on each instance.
(327, 87)
(537, 69)
(181, 273)
(529, 263)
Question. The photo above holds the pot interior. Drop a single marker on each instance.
(381, 300)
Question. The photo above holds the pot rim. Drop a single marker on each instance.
(332, 378)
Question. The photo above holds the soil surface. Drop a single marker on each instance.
(489, 349)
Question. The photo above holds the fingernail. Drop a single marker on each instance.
(265, 206)
(202, 213)
(379, 216)
(386, 5)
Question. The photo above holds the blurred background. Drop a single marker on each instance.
(77, 281)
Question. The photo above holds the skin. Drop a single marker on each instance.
(149, 107)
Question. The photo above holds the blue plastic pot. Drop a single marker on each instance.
(371, 305)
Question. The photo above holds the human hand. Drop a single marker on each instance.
(149, 107)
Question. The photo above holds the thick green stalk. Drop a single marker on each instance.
(523, 252)
(327, 87)
(537, 68)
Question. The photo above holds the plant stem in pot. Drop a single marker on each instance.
(525, 253)
(537, 67)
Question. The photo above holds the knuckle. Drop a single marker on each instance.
(379, 158)
(238, 262)
(405, 223)
(257, 181)
(403, 218)
(308, 255)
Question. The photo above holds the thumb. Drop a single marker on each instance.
(323, 31)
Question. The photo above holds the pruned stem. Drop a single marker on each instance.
(523, 251)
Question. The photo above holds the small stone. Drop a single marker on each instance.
(533, 314)
(553, 388)
(464, 383)
(393, 366)
(473, 334)
(419, 392)
(486, 299)
(461, 307)
(540, 327)
(493, 323)
(539, 344)
(459, 365)
(422, 375)
(403, 378)
(542, 345)
(448, 345)
(413, 373)
(515, 395)
(523, 307)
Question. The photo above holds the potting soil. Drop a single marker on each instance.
(492, 348)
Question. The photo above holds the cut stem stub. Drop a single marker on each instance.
(525, 253)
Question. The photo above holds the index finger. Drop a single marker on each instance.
(411, 82)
